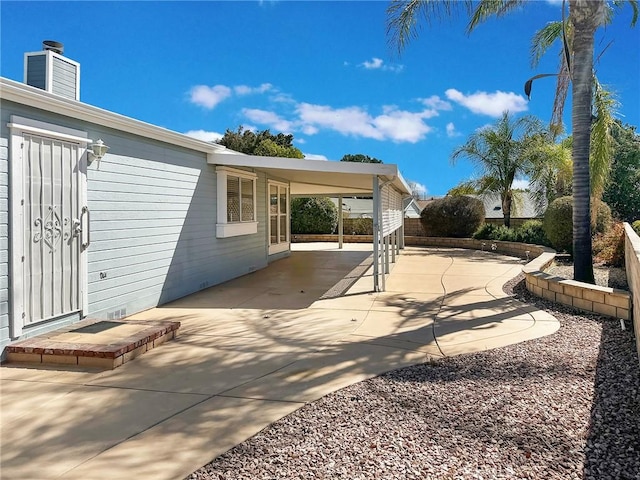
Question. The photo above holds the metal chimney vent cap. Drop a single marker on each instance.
(54, 46)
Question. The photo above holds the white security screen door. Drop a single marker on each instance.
(47, 221)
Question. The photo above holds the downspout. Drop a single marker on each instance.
(401, 242)
(340, 222)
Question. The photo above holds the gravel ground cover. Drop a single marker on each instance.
(561, 407)
(613, 277)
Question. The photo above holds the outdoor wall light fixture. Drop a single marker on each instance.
(97, 150)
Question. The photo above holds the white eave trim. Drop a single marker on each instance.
(231, 158)
(37, 98)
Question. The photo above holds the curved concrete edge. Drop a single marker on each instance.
(606, 301)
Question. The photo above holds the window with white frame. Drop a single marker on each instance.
(236, 203)
(279, 219)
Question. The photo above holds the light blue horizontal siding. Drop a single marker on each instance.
(64, 78)
(153, 225)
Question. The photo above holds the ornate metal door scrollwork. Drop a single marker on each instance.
(52, 229)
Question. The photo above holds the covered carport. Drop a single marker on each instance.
(308, 178)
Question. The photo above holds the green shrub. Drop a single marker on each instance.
(505, 234)
(558, 222)
(608, 247)
(531, 231)
(636, 226)
(604, 218)
(490, 231)
(358, 226)
(313, 215)
(452, 216)
(485, 232)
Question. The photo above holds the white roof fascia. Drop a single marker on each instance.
(37, 98)
(386, 171)
(257, 161)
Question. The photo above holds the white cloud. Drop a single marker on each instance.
(418, 188)
(268, 118)
(348, 121)
(204, 135)
(394, 124)
(378, 64)
(246, 90)
(491, 104)
(402, 126)
(209, 97)
(314, 156)
(374, 64)
(521, 184)
(435, 102)
(451, 130)
(309, 130)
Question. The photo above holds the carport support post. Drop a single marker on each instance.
(340, 222)
(394, 242)
(376, 233)
(386, 254)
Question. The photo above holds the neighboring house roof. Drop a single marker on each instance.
(356, 207)
(522, 207)
(363, 207)
(412, 209)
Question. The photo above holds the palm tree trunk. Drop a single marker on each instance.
(506, 209)
(585, 15)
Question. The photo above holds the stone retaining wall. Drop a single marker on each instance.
(632, 266)
(331, 237)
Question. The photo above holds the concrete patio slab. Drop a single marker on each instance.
(186, 368)
(70, 429)
(406, 282)
(408, 304)
(177, 446)
(251, 351)
(329, 370)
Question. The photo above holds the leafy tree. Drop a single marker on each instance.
(585, 18)
(457, 217)
(549, 170)
(313, 215)
(360, 158)
(467, 187)
(417, 191)
(623, 192)
(263, 143)
(498, 152)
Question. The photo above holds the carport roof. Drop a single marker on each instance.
(316, 177)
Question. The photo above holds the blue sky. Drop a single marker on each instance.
(323, 71)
